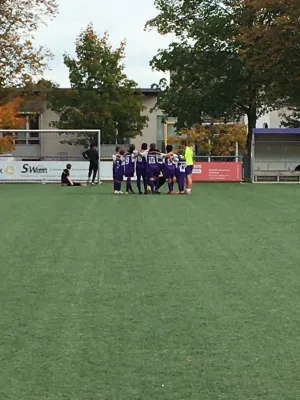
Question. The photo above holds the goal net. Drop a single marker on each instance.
(41, 155)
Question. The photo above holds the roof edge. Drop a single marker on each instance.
(278, 131)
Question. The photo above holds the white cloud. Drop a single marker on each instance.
(123, 19)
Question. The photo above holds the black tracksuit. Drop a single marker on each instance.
(93, 156)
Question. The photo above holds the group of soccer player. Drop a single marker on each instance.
(153, 168)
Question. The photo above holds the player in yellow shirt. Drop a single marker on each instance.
(189, 159)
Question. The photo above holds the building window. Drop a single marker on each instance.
(114, 141)
(21, 138)
(265, 125)
(33, 138)
(27, 137)
(165, 129)
(34, 122)
(160, 133)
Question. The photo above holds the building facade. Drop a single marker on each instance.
(49, 146)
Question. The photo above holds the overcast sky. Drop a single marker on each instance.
(122, 18)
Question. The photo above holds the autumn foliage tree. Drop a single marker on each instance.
(7, 144)
(271, 44)
(19, 58)
(272, 41)
(9, 115)
(215, 140)
(9, 119)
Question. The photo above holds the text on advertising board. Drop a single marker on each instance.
(217, 172)
(27, 168)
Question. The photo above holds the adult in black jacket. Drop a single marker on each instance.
(92, 156)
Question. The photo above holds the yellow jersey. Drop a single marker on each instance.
(189, 155)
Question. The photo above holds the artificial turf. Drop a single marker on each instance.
(150, 297)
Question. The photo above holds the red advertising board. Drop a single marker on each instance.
(217, 172)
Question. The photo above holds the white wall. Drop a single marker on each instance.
(149, 132)
(272, 118)
(51, 142)
(264, 119)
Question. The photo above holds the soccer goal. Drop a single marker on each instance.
(41, 155)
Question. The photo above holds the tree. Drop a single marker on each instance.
(216, 140)
(34, 96)
(9, 119)
(208, 73)
(272, 44)
(9, 115)
(19, 58)
(101, 95)
(7, 144)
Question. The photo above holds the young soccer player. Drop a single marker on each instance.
(141, 168)
(92, 156)
(153, 169)
(169, 168)
(189, 159)
(66, 179)
(119, 171)
(180, 172)
(130, 158)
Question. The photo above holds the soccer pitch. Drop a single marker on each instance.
(149, 297)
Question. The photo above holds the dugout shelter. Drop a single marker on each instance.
(275, 155)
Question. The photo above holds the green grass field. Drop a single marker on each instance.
(150, 297)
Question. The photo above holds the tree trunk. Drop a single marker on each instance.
(252, 118)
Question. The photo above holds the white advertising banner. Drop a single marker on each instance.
(49, 171)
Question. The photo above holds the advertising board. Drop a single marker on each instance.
(217, 172)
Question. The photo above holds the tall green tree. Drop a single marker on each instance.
(209, 75)
(19, 58)
(101, 95)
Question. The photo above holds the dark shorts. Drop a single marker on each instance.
(119, 174)
(141, 172)
(118, 177)
(129, 174)
(189, 169)
(169, 174)
(114, 171)
(153, 173)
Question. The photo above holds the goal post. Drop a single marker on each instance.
(45, 147)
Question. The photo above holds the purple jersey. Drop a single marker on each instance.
(152, 161)
(141, 162)
(129, 164)
(153, 165)
(119, 168)
(180, 173)
(181, 166)
(169, 167)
